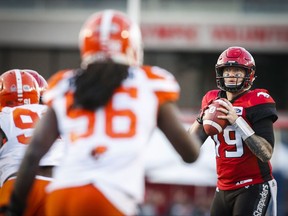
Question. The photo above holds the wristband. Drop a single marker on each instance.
(243, 128)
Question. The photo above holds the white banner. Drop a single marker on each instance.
(170, 32)
(215, 36)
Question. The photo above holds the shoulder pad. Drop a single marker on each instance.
(162, 82)
(154, 72)
(209, 96)
(258, 96)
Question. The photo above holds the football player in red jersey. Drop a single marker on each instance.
(245, 183)
(106, 111)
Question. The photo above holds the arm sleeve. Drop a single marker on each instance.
(264, 128)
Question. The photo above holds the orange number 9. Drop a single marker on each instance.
(24, 119)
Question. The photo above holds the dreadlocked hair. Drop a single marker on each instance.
(96, 85)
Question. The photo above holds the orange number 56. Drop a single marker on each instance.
(110, 114)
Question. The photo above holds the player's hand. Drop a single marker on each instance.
(228, 110)
(202, 111)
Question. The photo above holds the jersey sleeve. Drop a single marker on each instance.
(163, 83)
(58, 85)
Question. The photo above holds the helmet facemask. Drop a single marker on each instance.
(245, 84)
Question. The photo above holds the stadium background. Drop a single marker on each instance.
(183, 36)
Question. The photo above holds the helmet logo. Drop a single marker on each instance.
(26, 88)
(231, 63)
(13, 88)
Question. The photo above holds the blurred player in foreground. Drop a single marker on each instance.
(244, 149)
(20, 110)
(106, 111)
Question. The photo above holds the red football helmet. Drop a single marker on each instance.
(17, 87)
(110, 35)
(42, 83)
(235, 57)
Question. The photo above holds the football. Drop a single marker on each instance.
(213, 125)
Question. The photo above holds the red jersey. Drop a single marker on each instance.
(237, 166)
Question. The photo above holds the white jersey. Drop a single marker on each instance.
(18, 124)
(106, 147)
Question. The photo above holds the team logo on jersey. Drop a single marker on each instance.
(264, 94)
(238, 110)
